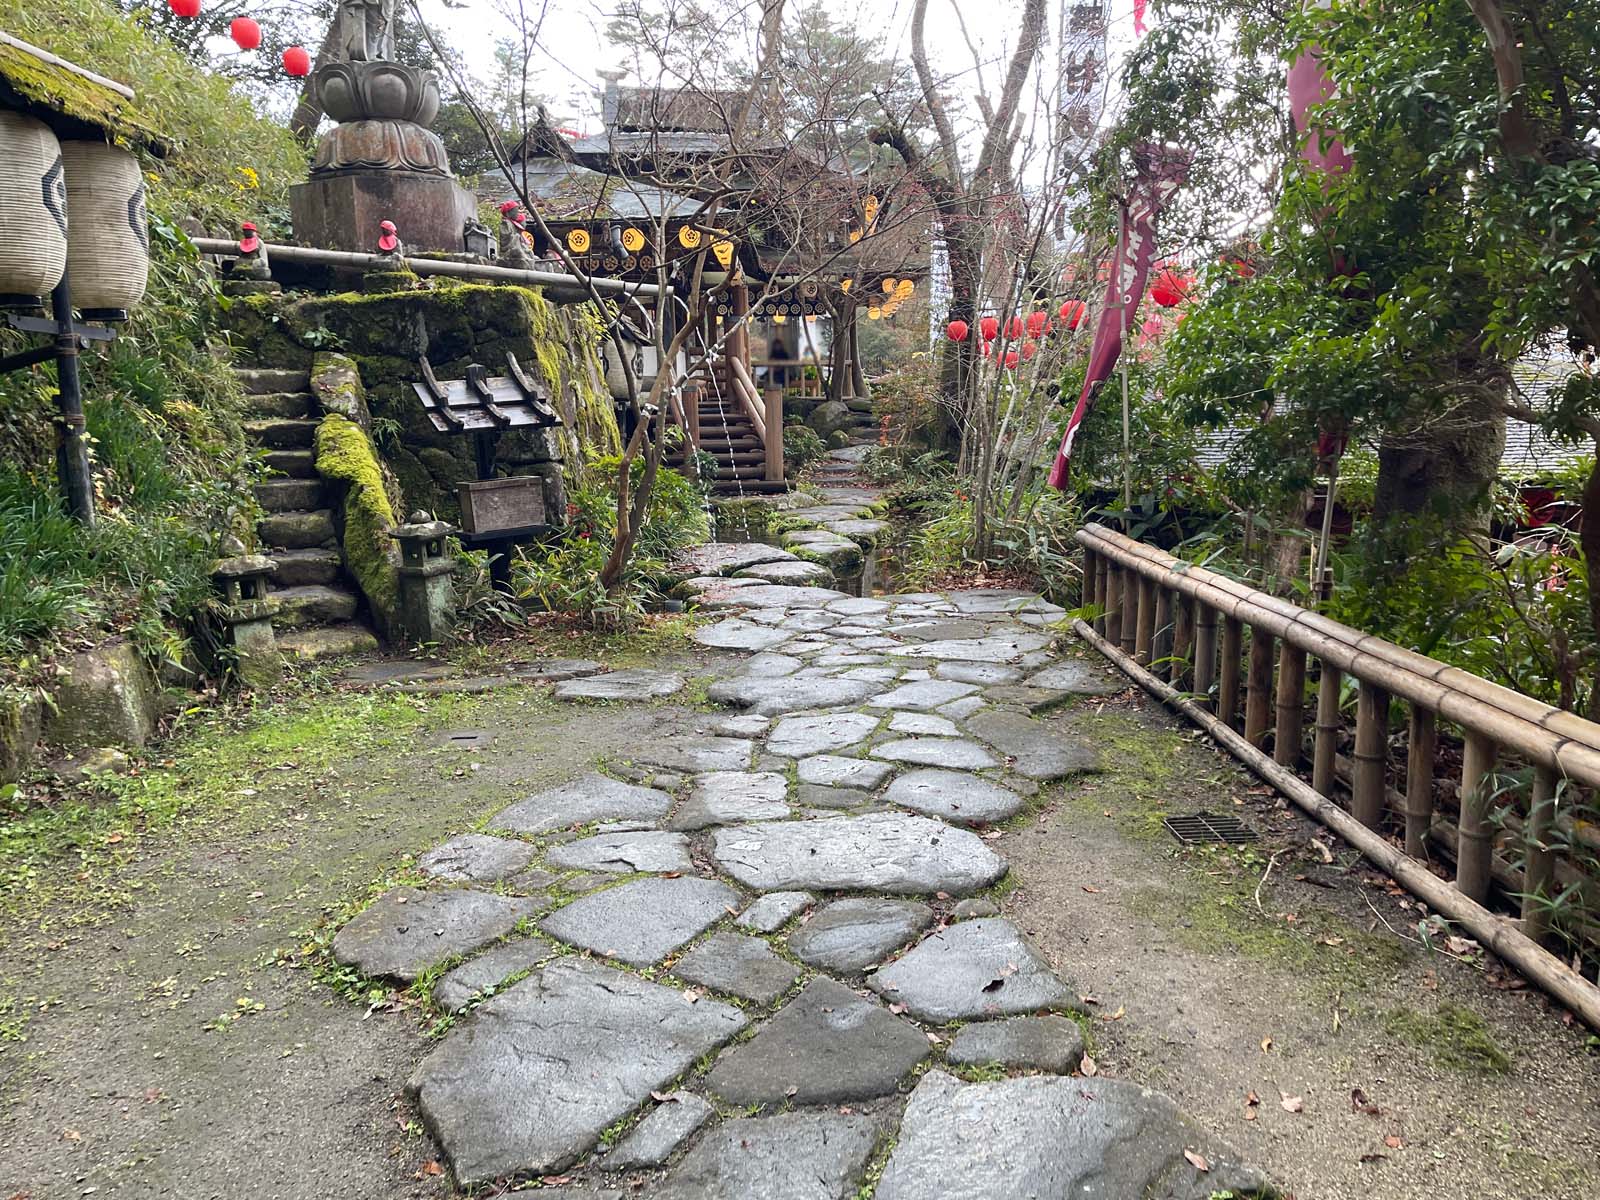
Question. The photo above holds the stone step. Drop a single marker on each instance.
(296, 530)
(281, 434)
(259, 380)
(290, 495)
(292, 405)
(327, 641)
(297, 464)
(732, 487)
(314, 604)
(296, 568)
(857, 405)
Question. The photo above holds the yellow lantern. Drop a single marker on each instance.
(578, 241)
(855, 236)
(688, 237)
(903, 290)
(723, 249)
(888, 287)
(778, 318)
(632, 240)
(870, 208)
(844, 285)
(874, 313)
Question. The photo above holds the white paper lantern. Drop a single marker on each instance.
(108, 249)
(33, 208)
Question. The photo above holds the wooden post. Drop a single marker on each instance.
(1089, 585)
(1182, 640)
(1228, 682)
(1114, 602)
(1372, 746)
(1538, 859)
(773, 417)
(1286, 742)
(1329, 682)
(1146, 629)
(1161, 636)
(1205, 650)
(1102, 589)
(692, 394)
(1424, 741)
(1130, 609)
(1473, 847)
(1258, 687)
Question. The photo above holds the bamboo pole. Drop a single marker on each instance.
(1538, 867)
(1114, 600)
(1472, 857)
(1205, 650)
(1287, 738)
(1182, 672)
(1146, 629)
(1258, 687)
(1161, 636)
(1371, 754)
(1423, 742)
(1228, 685)
(1499, 936)
(1329, 725)
(1089, 586)
(1130, 609)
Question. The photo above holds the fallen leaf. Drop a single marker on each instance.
(1266, 1043)
(1197, 1161)
(897, 1009)
(941, 895)
(432, 1167)
(72, 1135)
(1394, 1141)
(1093, 891)
(1116, 1016)
(1290, 1103)
(1372, 1158)
(1088, 1066)
(935, 1039)
(1360, 1103)
(792, 1090)
(1090, 999)
(661, 1096)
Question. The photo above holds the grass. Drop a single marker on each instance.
(1455, 1036)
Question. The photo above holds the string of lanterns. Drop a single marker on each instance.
(246, 35)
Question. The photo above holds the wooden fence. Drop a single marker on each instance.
(1235, 660)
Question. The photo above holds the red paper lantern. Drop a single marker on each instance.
(1169, 288)
(1029, 349)
(246, 34)
(1036, 323)
(1014, 328)
(989, 328)
(1072, 313)
(1011, 360)
(957, 331)
(297, 62)
(184, 8)
(987, 351)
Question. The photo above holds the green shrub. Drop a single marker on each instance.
(801, 448)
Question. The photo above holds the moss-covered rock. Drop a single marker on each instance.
(336, 383)
(345, 455)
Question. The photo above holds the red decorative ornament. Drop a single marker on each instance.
(186, 9)
(297, 62)
(388, 238)
(1014, 328)
(1036, 323)
(1169, 288)
(1029, 349)
(987, 351)
(957, 331)
(1072, 313)
(246, 34)
(249, 243)
(1012, 359)
(989, 327)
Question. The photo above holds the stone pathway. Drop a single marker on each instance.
(762, 965)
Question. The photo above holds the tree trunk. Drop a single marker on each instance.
(1448, 466)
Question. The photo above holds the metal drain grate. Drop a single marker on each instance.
(1195, 828)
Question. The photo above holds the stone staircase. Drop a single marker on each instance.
(320, 603)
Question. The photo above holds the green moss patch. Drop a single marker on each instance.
(345, 454)
(1454, 1036)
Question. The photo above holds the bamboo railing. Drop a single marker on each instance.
(1246, 683)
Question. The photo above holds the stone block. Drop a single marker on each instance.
(107, 698)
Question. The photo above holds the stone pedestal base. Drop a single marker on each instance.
(341, 212)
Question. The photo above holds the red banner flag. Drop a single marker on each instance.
(1159, 171)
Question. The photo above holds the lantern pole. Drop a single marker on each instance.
(72, 454)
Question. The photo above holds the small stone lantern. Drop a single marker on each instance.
(246, 613)
(427, 599)
(477, 239)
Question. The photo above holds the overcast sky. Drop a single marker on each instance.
(574, 37)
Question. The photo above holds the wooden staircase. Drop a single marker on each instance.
(730, 435)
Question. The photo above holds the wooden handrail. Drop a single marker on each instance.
(749, 397)
(1164, 612)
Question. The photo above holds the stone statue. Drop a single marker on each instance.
(252, 261)
(366, 30)
(513, 245)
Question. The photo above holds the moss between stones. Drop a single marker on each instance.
(345, 454)
(1456, 1036)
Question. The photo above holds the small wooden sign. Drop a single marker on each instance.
(496, 505)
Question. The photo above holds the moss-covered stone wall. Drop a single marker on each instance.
(453, 325)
